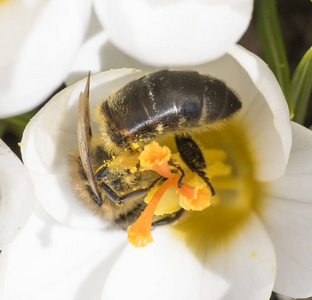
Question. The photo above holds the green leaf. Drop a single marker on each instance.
(16, 124)
(301, 86)
(273, 45)
(3, 127)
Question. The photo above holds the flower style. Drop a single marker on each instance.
(16, 203)
(156, 157)
(39, 41)
(253, 238)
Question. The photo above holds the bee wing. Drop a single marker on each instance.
(83, 131)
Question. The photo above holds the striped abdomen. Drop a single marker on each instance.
(166, 102)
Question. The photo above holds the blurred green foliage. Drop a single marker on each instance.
(296, 88)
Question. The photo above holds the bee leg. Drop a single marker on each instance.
(193, 157)
(171, 163)
(109, 193)
(169, 219)
(100, 173)
(134, 194)
(202, 174)
(139, 193)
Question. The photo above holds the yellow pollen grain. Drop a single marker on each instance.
(133, 170)
(134, 146)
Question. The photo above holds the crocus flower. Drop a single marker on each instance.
(254, 238)
(171, 32)
(39, 40)
(16, 203)
(146, 34)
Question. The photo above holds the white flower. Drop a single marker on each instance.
(260, 241)
(16, 203)
(167, 33)
(39, 40)
(146, 34)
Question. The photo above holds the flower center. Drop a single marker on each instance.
(195, 197)
(237, 192)
(229, 168)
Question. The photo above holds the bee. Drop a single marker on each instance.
(105, 171)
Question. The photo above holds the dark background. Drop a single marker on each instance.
(295, 18)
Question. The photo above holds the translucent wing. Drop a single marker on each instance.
(83, 132)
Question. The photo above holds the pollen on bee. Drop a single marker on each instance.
(135, 146)
(156, 157)
(133, 170)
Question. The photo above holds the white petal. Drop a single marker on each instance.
(240, 267)
(16, 195)
(98, 54)
(51, 136)
(3, 269)
(171, 33)
(44, 56)
(264, 117)
(268, 121)
(287, 214)
(17, 16)
(50, 261)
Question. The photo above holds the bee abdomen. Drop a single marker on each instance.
(164, 102)
(219, 100)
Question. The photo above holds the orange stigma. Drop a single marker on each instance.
(157, 158)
